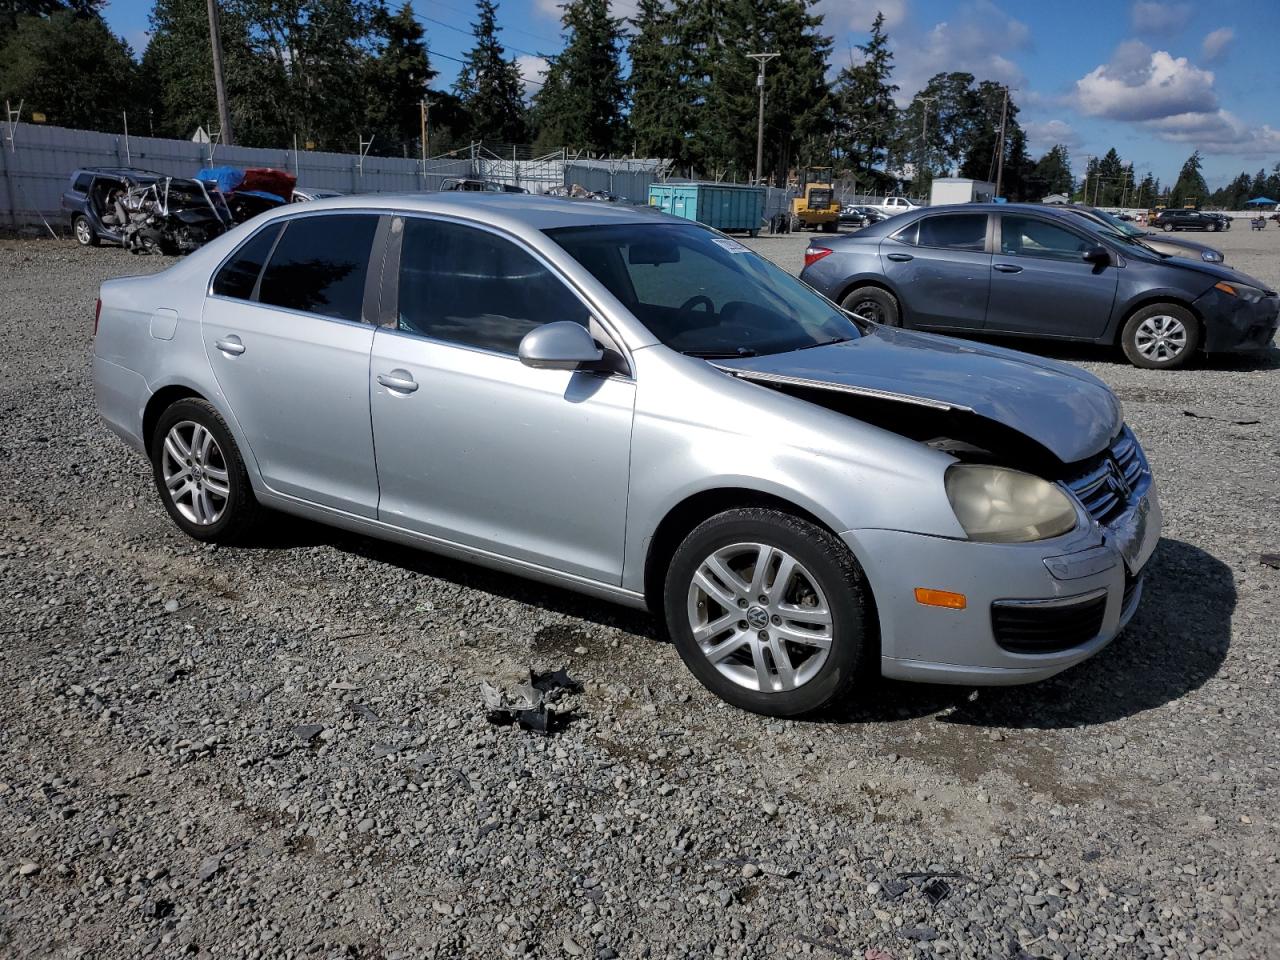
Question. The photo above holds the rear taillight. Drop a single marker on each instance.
(97, 312)
(814, 254)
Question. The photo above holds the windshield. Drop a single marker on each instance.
(704, 294)
(1115, 223)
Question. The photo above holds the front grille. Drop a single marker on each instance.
(1022, 626)
(1109, 483)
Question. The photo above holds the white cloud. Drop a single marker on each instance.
(1218, 131)
(1042, 136)
(1141, 84)
(1162, 19)
(858, 14)
(531, 68)
(1215, 44)
(551, 8)
(976, 41)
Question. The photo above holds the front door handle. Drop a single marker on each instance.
(400, 381)
(232, 345)
(900, 257)
(1007, 268)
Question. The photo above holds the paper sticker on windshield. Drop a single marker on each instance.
(733, 246)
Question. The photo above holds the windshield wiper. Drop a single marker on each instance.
(720, 354)
(825, 343)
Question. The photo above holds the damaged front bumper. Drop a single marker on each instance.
(1236, 325)
(1032, 610)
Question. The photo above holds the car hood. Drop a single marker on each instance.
(1065, 410)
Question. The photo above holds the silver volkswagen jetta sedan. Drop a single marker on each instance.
(642, 409)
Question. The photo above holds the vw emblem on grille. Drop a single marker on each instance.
(1117, 482)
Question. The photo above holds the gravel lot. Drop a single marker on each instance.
(280, 750)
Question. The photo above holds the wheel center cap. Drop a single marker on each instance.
(758, 617)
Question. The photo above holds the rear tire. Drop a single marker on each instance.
(86, 236)
(809, 629)
(1163, 336)
(200, 474)
(1167, 228)
(875, 304)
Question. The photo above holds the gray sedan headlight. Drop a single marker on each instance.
(999, 505)
(1242, 290)
(1210, 256)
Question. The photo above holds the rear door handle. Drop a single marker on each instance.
(1007, 268)
(900, 257)
(400, 381)
(232, 345)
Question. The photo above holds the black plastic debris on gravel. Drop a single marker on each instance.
(528, 705)
(1270, 560)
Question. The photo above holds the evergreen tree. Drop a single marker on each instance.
(1146, 192)
(580, 106)
(1054, 171)
(866, 111)
(950, 103)
(397, 80)
(1190, 188)
(984, 106)
(489, 84)
(69, 67)
(657, 92)
(10, 10)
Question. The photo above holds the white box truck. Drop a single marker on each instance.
(960, 190)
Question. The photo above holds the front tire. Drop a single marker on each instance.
(1168, 228)
(875, 304)
(770, 612)
(1163, 336)
(200, 474)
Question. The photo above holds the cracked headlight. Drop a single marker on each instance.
(999, 505)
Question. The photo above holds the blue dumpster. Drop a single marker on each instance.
(725, 206)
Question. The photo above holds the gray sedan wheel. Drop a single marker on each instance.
(769, 612)
(876, 304)
(200, 474)
(1160, 337)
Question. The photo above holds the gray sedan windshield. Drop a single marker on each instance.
(704, 294)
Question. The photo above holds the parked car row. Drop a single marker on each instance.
(646, 411)
(1028, 270)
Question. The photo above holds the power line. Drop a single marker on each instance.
(433, 53)
(465, 13)
(450, 26)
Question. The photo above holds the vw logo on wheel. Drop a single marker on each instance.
(758, 617)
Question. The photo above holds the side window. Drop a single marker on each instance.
(1031, 237)
(909, 234)
(470, 287)
(320, 265)
(83, 183)
(239, 274)
(962, 231)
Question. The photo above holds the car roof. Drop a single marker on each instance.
(120, 171)
(511, 211)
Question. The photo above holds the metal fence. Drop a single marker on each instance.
(36, 162)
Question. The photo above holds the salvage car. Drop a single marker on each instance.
(1169, 246)
(1034, 271)
(639, 408)
(143, 211)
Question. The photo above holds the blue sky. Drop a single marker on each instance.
(1156, 79)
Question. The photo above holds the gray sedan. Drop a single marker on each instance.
(641, 409)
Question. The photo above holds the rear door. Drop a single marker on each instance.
(1041, 285)
(941, 269)
(289, 345)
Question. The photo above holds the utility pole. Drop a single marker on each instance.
(1004, 111)
(1084, 189)
(219, 82)
(424, 112)
(924, 132)
(762, 59)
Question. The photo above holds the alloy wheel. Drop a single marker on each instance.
(760, 617)
(195, 473)
(1161, 338)
(83, 233)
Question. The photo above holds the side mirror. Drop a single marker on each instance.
(1099, 256)
(563, 345)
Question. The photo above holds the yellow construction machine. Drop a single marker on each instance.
(816, 207)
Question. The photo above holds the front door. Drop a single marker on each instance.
(941, 270)
(476, 448)
(290, 350)
(1041, 285)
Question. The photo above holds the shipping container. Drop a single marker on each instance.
(725, 206)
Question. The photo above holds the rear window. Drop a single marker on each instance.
(320, 264)
(239, 275)
(83, 182)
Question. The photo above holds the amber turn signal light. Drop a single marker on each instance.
(941, 598)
